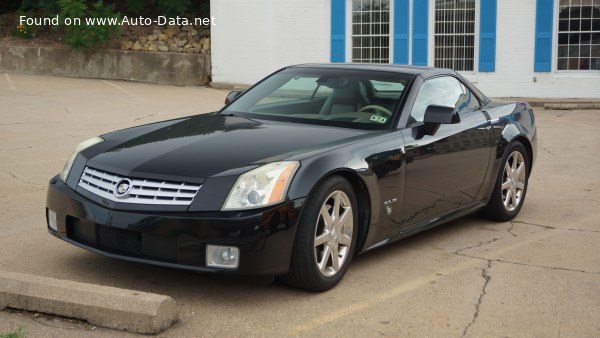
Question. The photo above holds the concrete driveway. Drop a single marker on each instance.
(536, 276)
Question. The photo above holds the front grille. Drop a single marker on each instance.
(143, 191)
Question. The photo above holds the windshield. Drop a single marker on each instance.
(350, 98)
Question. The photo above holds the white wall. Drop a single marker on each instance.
(253, 38)
(514, 75)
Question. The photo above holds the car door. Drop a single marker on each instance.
(444, 171)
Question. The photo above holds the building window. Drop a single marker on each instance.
(454, 35)
(371, 31)
(579, 35)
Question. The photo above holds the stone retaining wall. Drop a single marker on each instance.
(173, 39)
(151, 67)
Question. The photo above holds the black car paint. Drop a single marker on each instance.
(397, 168)
(177, 239)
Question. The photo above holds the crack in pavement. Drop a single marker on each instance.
(480, 244)
(541, 146)
(555, 228)
(14, 149)
(528, 265)
(487, 277)
(23, 181)
(510, 230)
(143, 117)
(24, 123)
(543, 266)
(459, 252)
(534, 224)
(580, 230)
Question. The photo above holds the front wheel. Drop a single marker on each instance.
(326, 237)
(511, 185)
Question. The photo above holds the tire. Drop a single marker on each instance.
(511, 185)
(321, 237)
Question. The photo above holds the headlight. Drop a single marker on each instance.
(81, 147)
(261, 187)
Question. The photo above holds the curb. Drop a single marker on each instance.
(228, 86)
(572, 106)
(115, 308)
(557, 103)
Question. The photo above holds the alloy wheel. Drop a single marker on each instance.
(333, 233)
(513, 181)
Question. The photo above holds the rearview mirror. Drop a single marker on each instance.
(436, 115)
(232, 96)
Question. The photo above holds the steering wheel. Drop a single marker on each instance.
(376, 108)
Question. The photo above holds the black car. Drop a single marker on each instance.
(296, 175)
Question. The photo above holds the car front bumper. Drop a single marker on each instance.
(176, 239)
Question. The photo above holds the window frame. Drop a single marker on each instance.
(471, 75)
(564, 72)
(349, 31)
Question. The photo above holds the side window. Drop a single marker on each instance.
(470, 102)
(443, 91)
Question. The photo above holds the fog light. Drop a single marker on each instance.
(52, 220)
(226, 257)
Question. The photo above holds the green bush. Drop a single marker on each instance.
(137, 6)
(84, 36)
(17, 333)
(43, 5)
(172, 8)
(8, 6)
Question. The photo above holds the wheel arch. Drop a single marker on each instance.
(493, 210)
(510, 133)
(528, 148)
(363, 197)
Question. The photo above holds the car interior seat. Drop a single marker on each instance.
(350, 98)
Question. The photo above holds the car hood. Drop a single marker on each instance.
(205, 145)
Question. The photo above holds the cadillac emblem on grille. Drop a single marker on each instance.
(122, 188)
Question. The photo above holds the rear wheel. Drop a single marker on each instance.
(511, 185)
(326, 237)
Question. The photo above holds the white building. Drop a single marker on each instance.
(521, 48)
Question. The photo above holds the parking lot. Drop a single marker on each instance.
(538, 275)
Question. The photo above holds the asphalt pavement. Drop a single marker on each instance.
(537, 276)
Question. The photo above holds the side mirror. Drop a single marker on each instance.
(436, 115)
(232, 96)
(441, 115)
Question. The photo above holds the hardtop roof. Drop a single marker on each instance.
(425, 72)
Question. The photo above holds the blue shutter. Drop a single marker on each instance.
(338, 30)
(543, 35)
(401, 20)
(487, 36)
(419, 32)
